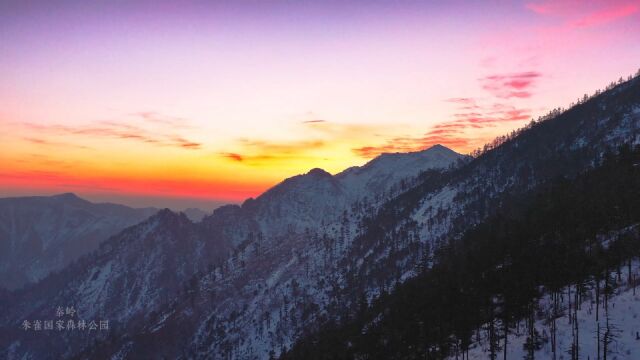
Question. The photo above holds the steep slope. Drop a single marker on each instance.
(445, 206)
(282, 284)
(615, 331)
(565, 235)
(40, 234)
(145, 267)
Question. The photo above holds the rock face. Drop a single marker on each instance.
(39, 235)
(249, 280)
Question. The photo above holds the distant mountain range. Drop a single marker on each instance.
(43, 234)
(39, 235)
(250, 280)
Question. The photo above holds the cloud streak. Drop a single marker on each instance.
(153, 117)
(314, 121)
(409, 144)
(318, 139)
(259, 152)
(606, 15)
(161, 134)
(581, 14)
(471, 114)
(514, 85)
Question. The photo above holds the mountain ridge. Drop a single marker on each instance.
(142, 250)
(291, 267)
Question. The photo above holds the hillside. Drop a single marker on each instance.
(283, 283)
(562, 236)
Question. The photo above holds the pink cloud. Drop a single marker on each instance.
(539, 8)
(582, 14)
(606, 15)
(513, 85)
(411, 144)
(471, 114)
(452, 133)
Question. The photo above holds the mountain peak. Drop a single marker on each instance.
(313, 176)
(443, 150)
(435, 149)
(318, 172)
(388, 169)
(438, 147)
(436, 156)
(167, 217)
(67, 196)
(165, 213)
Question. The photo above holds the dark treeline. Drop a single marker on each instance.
(490, 279)
(563, 143)
(496, 142)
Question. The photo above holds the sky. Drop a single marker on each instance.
(196, 104)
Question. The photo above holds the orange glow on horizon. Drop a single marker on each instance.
(204, 190)
(114, 99)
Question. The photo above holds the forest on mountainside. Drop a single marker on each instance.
(580, 232)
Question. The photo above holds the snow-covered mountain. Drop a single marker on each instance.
(317, 198)
(149, 265)
(395, 171)
(284, 281)
(40, 234)
(614, 323)
(305, 252)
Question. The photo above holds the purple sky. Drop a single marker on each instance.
(183, 102)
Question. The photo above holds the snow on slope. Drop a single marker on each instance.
(388, 170)
(285, 281)
(318, 199)
(146, 266)
(298, 260)
(561, 146)
(623, 312)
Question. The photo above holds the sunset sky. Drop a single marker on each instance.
(201, 103)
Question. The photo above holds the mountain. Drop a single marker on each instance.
(161, 261)
(40, 235)
(394, 171)
(125, 280)
(298, 263)
(545, 272)
(318, 199)
(250, 280)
